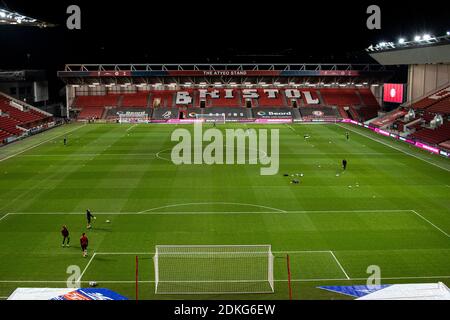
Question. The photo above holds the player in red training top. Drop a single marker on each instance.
(65, 234)
(84, 244)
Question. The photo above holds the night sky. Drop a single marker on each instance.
(210, 31)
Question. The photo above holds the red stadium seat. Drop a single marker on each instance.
(91, 113)
(340, 97)
(433, 99)
(435, 136)
(139, 99)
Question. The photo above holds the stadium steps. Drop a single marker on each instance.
(149, 101)
(284, 99)
(354, 114)
(342, 113)
(120, 101)
(319, 95)
(360, 98)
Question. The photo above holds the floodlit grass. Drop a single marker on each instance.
(389, 208)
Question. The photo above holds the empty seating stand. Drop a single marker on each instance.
(433, 136)
(265, 101)
(162, 98)
(109, 100)
(14, 122)
(235, 101)
(340, 97)
(91, 113)
(442, 107)
(139, 100)
(429, 101)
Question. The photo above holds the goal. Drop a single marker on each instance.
(211, 118)
(133, 117)
(237, 269)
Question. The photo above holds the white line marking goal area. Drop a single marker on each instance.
(150, 212)
(333, 263)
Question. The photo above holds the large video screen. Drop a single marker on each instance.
(393, 92)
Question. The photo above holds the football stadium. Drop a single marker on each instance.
(227, 180)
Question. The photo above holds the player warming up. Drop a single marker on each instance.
(84, 244)
(344, 164)
(66, 238)
(89, 217)
(347, 135)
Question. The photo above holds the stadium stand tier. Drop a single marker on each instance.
(438, 102)
(356, 104)
(16, 118)
(433, 136)
(389, 118)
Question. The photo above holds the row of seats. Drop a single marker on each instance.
(166, 98)
(443, 106)
(22, 116)
(91, 113)
(4, 135)
(433, 136)
(14, 122)
(438, 102)
(341, 97)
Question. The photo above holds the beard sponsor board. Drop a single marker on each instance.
(275, 113)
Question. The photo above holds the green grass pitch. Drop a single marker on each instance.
(391, 208)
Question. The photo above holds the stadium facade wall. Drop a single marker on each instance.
(425, 79)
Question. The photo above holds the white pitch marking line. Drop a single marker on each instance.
(213, 203)
(431, 223)
(132, 127)
(340, 266)
(210, 212)
(152, 253)
(87, 266)
(4, 216)
(393, 147)
(41, 143)
(276, 280)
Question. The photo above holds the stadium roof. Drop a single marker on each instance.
(8, 17)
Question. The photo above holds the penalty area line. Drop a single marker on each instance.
(87, 266)
(339, 264)
(431, 223)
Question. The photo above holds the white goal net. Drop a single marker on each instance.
(133, 117)
(211, 118)
(214, 269)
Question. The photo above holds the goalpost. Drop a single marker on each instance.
(211, 118)
(235, 269)
(134, 117)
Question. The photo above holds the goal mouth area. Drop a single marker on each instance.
(214, 287)
(214, 269)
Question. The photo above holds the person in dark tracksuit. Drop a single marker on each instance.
(89, 217)
(344, 164)
(66, 238)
